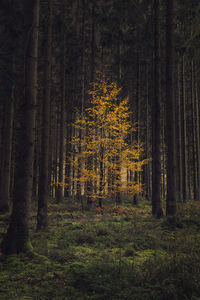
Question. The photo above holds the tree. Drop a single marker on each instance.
(184, 132)
(62, 114)
(156, 143)
(8, 80)
(107, 144)
(17, 237)
(170, 117)
(43, 195)
(7, 151)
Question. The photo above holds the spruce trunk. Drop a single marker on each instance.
(16, 239)
(170, 117)
(156, 141)
(43, 191)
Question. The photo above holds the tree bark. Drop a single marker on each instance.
(194, 135)
(43, 192)
(62, 124)
(184, 132)
(16, 239)
(137, 177)
(170, 117)
(156, 124)
(5, 177)
(197, 131)
(179, 141)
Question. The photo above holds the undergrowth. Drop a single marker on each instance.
(114, 253)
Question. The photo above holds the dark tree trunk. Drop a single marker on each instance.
(183, 132)
(156, 142)
(5, 177)
(194, 135)
(16, 239)
(137, 177)
(179, 140)
(197, 130)
(93, 44)
(62, 124)
(170, 117)
(43, 192)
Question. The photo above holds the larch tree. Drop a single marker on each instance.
(107, 144)
(16, 239)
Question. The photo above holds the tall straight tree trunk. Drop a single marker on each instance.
(93, 44)
(89, 166)
(184, 132)
(179, 141)
(43, 192)
(52, 140)
(68, 148)
(68, 167)
(118, 181)
(197, 131)
(194, 136)
(83, 63)
(55, 152)
(147, 167)
(101, 172)
(62, 125)
(170, 117)
(5, 177)
(156, 124)
(82, 104)
(37, 147)
(137, 178)
(16, 239)
(91, 160)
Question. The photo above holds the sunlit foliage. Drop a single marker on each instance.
(103, 153)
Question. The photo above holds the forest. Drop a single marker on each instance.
(100, 149)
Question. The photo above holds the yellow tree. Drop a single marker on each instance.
(106, 153)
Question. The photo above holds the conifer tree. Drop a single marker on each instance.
(44, 161)
(16, 239)
(156, 122)
(170, 117)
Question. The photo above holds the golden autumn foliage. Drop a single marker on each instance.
(103, 153)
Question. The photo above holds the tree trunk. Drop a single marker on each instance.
(62, 125)
(137, 178)
(156, 124)
(68, 167)
(197, 132)
(16, 239)
(183, 132)
(194, 136)
(179, 140)
(5, 177)
(93, 44)
(170, 118)
(147, 167)
(43, 192)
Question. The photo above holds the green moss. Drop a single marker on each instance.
(28, 247)
(106, 257)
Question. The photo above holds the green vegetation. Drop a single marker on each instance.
(113, 253)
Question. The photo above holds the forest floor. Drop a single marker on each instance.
(116, 253)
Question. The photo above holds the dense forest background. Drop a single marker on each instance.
(61, 64)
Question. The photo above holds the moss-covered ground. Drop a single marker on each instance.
(110, 254)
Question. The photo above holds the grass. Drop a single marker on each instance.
(115, 253)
